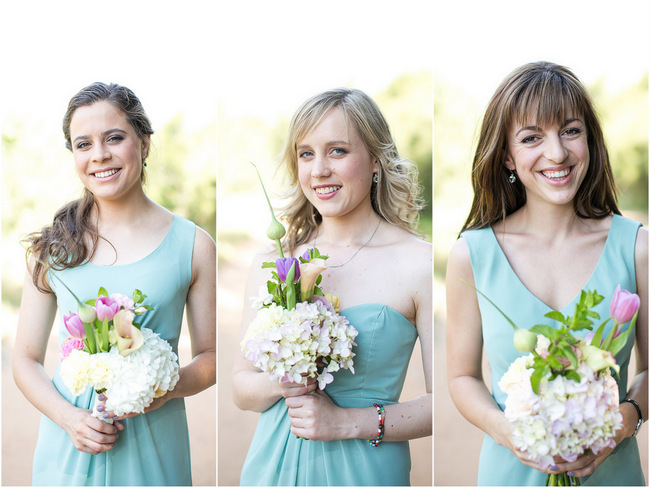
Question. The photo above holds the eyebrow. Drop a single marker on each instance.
(536, 127)
(330, 143)
(105, 133)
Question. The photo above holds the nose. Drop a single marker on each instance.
(100, 153)
(320, 167)
(554, 151)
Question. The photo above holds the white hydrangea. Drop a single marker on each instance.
(131, 382)
(566, 417)
(290, 344)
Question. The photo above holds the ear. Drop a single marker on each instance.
(508, 162)
(145, 146)
(375, 166)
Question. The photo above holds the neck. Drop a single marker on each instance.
(125, 210)
(347, 232)
(556, 221)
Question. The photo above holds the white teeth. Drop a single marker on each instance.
(105, 174)
(556, 174)
(326, 189)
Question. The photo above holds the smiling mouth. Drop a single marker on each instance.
(326, 189)
(105, 174)
(557, 175)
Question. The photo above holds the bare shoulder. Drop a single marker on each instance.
(459, 263)
(204, 255)
(641, 248)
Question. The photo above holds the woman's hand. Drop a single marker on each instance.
(88, 433)
(291, 389)
(315, 417)
(101, 406)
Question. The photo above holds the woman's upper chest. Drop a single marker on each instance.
(554, 271)
(370, 279)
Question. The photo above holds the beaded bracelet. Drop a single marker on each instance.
(638, 411)
(381, 413)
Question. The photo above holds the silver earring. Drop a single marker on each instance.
(375, 178)
(144, 163)
(512, 178)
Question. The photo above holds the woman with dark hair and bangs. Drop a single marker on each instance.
(114, 237)
(544, 224)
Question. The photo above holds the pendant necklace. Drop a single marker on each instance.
(357, 251)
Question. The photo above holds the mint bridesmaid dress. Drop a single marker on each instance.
(277, 457)
(153, 449)
(494, 277)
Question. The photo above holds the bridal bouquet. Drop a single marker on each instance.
(107, 350)
(298, 332)
(561, 398)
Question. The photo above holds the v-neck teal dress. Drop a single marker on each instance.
(495, 277)
(276, 457)
(153, 449)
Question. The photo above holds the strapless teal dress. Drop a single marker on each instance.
(277, 457)
(494, 277)
(153, 449)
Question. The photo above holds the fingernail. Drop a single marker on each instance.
(105, 415)
(115, 431)
(115, 418)
(554, 468)
(100, 408)
(571, 473)
(101, 398)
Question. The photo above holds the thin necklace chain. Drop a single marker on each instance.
(357, 251)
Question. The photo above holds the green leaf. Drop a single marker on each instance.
(568, 353)
(102, 292)
(90, 338)
(618, 343)
(546, 330)
(268, 264)
(555, 315)
(537, 376)
(572, 375)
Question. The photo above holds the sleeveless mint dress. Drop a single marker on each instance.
(153, 449)
(494, 277)
(277, 457)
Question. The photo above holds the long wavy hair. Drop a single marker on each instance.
(550, 93)
(396, 195)
(72, 237)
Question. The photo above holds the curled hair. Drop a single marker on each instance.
(549, 93)
(396, 195)
(72, 237)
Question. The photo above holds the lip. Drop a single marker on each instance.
(558, 176)
(105, 170)
(335, 189)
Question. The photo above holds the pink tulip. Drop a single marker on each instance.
(106, 307)
(74, 325)
(624, 305)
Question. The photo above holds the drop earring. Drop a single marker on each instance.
(375, 178)
(513, 177)
(144, 163)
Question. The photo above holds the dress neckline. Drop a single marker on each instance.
(382, 306)
(615, 219)
(144, 258)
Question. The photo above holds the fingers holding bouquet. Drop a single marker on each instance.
(291, 389)
(314, 417)
(89, 434)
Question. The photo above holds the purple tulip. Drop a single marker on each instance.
(283, 265)
(307, 254)
(74, 325)
(106, 307)
(624, 305)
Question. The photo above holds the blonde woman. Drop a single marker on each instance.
(355, 199)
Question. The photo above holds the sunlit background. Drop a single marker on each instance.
(49, 52)
(478, 44)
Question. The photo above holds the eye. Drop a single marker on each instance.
(82, 145)
(339, 151)
(573, 131)
(115, 138)
(305, 154)
(530, 139)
